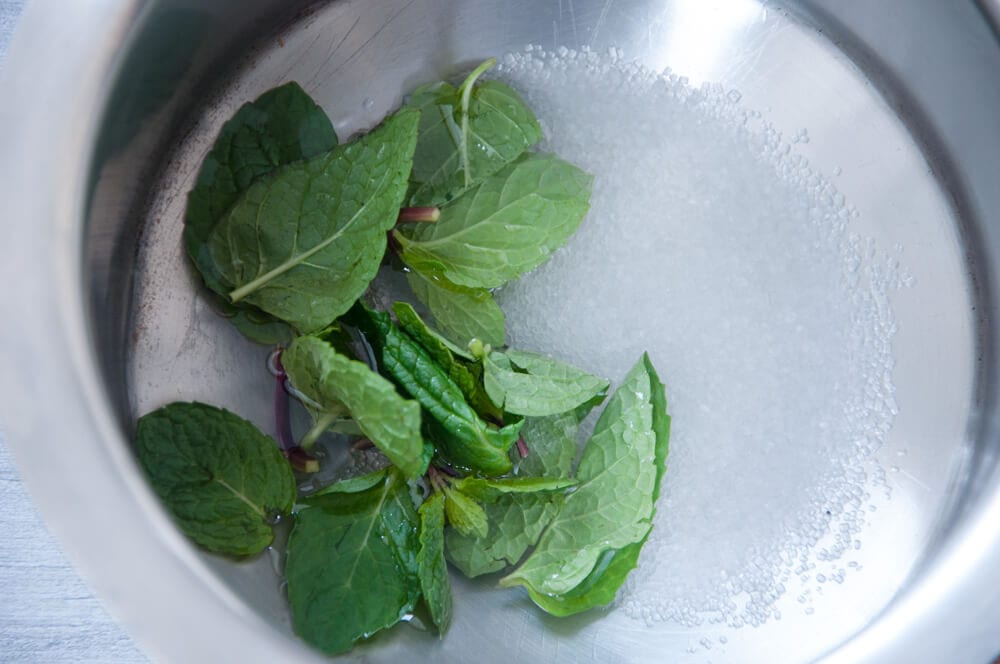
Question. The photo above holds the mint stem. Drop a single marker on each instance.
(282, 421)
(466, 96)
(418, 214)
(522, 447)
(299, 459)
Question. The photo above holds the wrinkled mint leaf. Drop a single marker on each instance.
(282, 126)
(462, 438)
(500, 127)
(613, 506)
(431, 562)
(338, 385)
(457, 363)
(461, 313)
(464, 514)
(507, 225)
(516, 521)
(534, 385)
(221, 479)
(352, 564)
(303, 242)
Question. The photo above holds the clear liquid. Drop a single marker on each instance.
(735, 266)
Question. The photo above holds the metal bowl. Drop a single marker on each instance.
(104, 134)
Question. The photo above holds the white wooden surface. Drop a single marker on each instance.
(47, 613)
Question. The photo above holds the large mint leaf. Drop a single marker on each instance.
(461, 436)
(282, 126)
(431, 562)
(466, 375)
(337, 384)
(507, 225)
(613, 506)
(603, 582)
(352, 564)
(500, 127)
(461, 313)
(304, 242)
(516, 521)
(534, 385)
(218, 475)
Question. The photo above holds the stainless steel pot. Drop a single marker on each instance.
(108, 108)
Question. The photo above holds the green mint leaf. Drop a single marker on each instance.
(464, 514)
(462, 313)
(498, 128)
(351, 484)
(433, 568)
(466, 375)
(441, 349)
(221, 479)
(516, 521)
(337, 384)
(534, 385)
(461, 436)
(254, 324)
(489, 490)
(613, 505)
(352, 567)
(603, 582)
(505, 226)
(600, 586)
(552, 445)
(303, 242)
(282, 126)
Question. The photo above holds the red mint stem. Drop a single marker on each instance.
(362, 444)
(301, 460)
(522, 447)
(418, 214)
(282, 421)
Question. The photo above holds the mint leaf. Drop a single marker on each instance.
(534, 385)
(282, 126)
(464, 513)
(441, 349)
(352, 567)
(462, 313)
(613, 506)
(498, 128)
(507, 225)
(489, 490)
(516, 521)
(304, 242)
(466, 375)
(221, 479)
(602, 584)
(431, 563)
(461, 436)
(352, 484)
(338, 385)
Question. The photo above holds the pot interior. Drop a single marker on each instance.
(860, 415)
